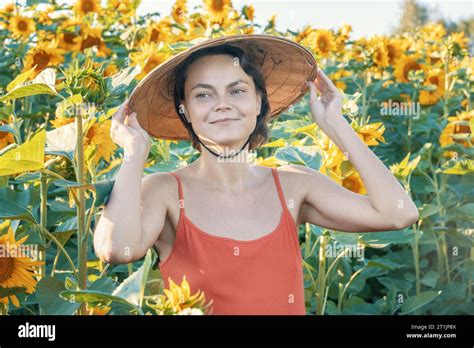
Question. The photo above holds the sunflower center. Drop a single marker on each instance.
(459, 129)
(89, 42)
(22, 26)
(409, 67)
(69, 38)
(217, 5)
(42, 59)
(6, 268)
(348, 184)
(154, 35)
(322, 44)
(434, 80)
(87, 6)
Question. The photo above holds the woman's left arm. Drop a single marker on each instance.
(387, 201)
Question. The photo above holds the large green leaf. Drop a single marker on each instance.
(14, 206)
(416, 302)
(26, 157)
(43, 84)
(48, 292)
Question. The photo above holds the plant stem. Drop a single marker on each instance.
(321, 275)
(81, 242)
(43, 218)
(307, 241)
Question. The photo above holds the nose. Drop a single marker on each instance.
(222, 104)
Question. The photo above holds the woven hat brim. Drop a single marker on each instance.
(285, 65)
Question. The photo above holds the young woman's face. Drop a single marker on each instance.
(216, 88)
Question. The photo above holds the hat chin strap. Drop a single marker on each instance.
(219, 155)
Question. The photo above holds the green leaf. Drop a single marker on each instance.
(416, 302)
(13, 206)
(42, 84)
(103, 190)
(430, 279)
(94, 296)
(428, 210)
(132, 289)
(301, 155)
(48, 292)
(26, 157)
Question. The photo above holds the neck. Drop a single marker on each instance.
(230, 174)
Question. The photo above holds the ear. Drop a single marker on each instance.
(182, 109)
(259, 103)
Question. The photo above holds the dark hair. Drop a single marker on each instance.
(261, 133)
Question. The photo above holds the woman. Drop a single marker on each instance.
(219, 239)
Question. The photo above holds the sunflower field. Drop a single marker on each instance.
(64, 69)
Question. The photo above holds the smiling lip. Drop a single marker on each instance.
(224, 120)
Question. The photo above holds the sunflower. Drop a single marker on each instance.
(217, 9)
(457, 131)
(394, 50)
(179, 11)
(353, 182)
(158, 32)
(43, 15)
(432, 32)
(371, 133)
(380, 53)
(6, 138)
(178, 300)
(61, 121)
(69, 41)
(198, 25)
(16, 271)
(337, 76)
(83, 7)
(248, 12)
(92, 37)
(406, 64)
(98, 137)
(21, 27)
(323, 42)
(151, 53)
(434, 77)
(125, 7)
(342, 36)
(43, 55)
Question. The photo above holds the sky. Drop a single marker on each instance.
(367, 17)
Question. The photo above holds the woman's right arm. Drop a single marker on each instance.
(126, 230)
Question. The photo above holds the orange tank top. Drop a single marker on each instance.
(259, 276)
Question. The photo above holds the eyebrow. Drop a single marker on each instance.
(205, 85)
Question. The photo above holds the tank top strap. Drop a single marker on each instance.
(280, 190)
(180, 189)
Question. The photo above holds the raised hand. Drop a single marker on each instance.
(327, 108)
(127, 132)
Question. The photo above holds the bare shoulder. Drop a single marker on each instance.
(296, 173)
(300, 177)
(159, 184)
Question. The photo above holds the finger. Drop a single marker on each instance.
(133, 121)
(312, 91)
(327, 82)
(120, 114)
